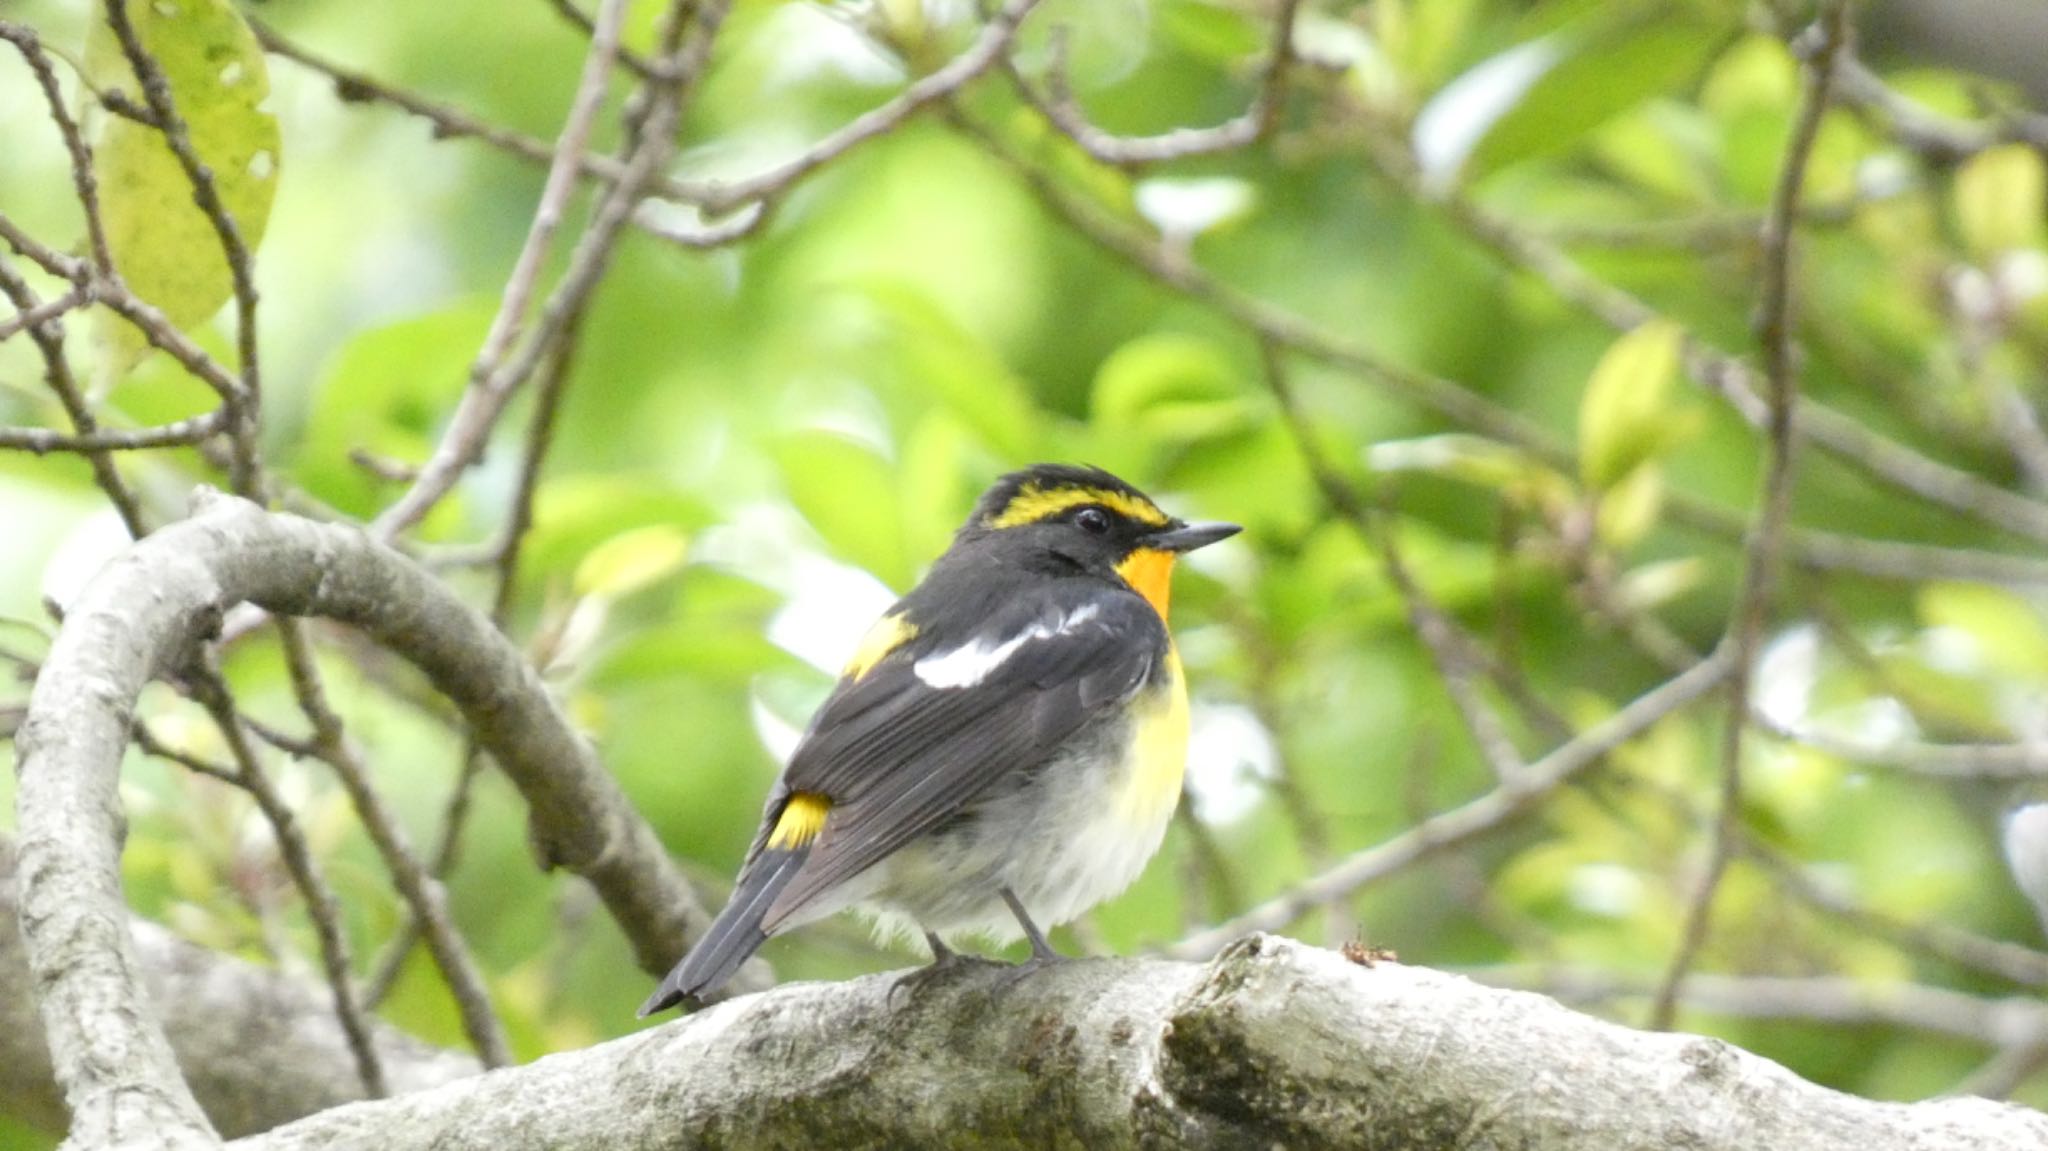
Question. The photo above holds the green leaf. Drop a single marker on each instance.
(2007, 632)
(631, 560)
(1210, 31)
(848, 493)
(1475, 460)
(164, 247)
(958, 369)
(575, 514)
(1600, 76)
(1628, 508)
(386, 393)
(1650, 587)
(1999, 199)
(1624, 415)
(1170, 389)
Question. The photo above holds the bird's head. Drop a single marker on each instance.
(1084, 518)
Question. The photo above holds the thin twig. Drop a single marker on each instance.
(508, 324)
(42, 441)
(1996, 957)
(424, 898)
(485, 399)
(1447, 655)
(1745, 629)
(988, 49)
(1431, 626)
(1829, 999)
(83, 180)
(244, 412)
(155, 745)
(48, 337)
(1247, 128)
(519, 519)
(322, 907)
(1843, 437)
(77, 297)
(1940, 138)
(579, 20)
(1469, 821)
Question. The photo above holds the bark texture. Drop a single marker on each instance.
(1274, 1043)
(259, 1047)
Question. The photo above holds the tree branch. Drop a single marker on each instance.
(1775, 321)
(259, 1047)
(143, 614)
(1273, 1044)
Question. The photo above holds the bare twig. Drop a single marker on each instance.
(508, 324)
(1950, 944)
(322, 907)
(1257, 120)
(83, 180)
(1841, 436)
(1827, 999)
(244, 410)
(1431, 626)
(77, 297)
(424, 898)
(1940, 138)
(494, 381)
(48, 337)
(980, 57)
(1745, 628)
(519, 518)
(1464, 823)
(42, 441)
(577, 19)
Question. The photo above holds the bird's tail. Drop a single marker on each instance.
(733, 936)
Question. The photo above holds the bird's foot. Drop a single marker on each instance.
(945, 963)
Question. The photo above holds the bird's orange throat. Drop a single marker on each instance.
(1149, 571)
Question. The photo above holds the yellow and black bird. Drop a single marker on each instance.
(1005, 748)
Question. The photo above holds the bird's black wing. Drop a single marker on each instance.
(926, 730)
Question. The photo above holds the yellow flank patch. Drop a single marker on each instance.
(802, 819)
(889, 633)
(1034, 504)
(1149, 571)
(1159, 748)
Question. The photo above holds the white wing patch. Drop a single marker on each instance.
(972, 662)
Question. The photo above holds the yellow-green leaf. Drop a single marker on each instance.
(1623, 417)
(848, 494)
(164, 247)
(1628, 508)
(631, 560)
(1999, 199)
(2009, 635)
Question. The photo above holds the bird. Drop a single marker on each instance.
(1003, 750)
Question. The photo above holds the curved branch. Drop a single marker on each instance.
(1275, 1043)
(259, 1047)
(143, 615)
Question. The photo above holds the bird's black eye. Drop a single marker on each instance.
(1094, 521)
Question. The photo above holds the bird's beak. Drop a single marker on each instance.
(1180, 537)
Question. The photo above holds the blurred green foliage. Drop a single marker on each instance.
(761, 443)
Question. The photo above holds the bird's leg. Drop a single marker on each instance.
(1041, 951)
(944, 962)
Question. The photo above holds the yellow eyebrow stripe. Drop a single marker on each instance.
(802, 819)
(1035, 504)
(889, 633)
